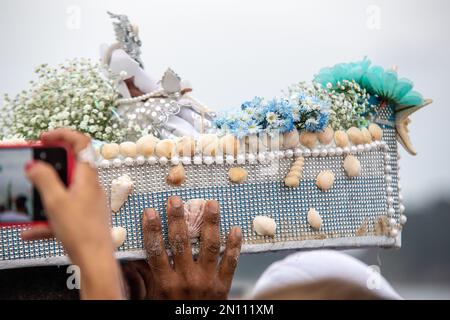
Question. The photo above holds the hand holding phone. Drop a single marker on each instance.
(20, 202)
(77, 216)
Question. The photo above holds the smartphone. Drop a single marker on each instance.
(20, 202)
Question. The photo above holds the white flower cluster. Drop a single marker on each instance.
(77, 94)
(350, 106)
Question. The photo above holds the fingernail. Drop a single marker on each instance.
(176, 202)
(213, 206)
(151, 214)
(29, 165)
(237, 232)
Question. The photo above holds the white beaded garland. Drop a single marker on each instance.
(306, 152)
(339, 151)
(403, 219)
(402, 208)
(323, 152)
(251, 158)
(208, 160)
(128, 161)
(240, 159)
(298, 152)
(271, 156)
(219, 159)
(163, 161)
(280, 154)
(186, 160)
(360, 148)
(261, 157)
(388, 168)
(390, 201)
(229, 159)
(391, 211)
(105, 163)
(392, 221)
(315, 152)
(289, 153)
(353, 150)
(117, 162)
(346, 150)
(389, 190)
(175, 160)
(197, 160)
(389, 179)
(152, 160)
(367, 147)
(140, 160)
(331, 152)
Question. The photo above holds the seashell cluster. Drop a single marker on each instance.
(352, 166)
(194, 210)
(120, 189)
(295, 173)
(210, 148)
(118, 235)
(237, 174)
(314, 219)
(264, 226)
(325, 180)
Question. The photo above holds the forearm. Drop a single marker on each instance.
(100, 276)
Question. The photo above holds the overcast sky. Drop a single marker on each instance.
(232, 50)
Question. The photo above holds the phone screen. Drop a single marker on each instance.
(19, 200)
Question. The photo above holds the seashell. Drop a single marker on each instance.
(110, 151)
(237, 174)
(194, 210)
(165, 148)
(314, 219)
(186, 147)
(375, 131)
(326, 136)
(208, 144)
(355, 136)
(229, 144)
(128, 149)
(325, 180)
(367, 137)
(176, 176)
(264, 226)
(295, 173)
(120, 189)
(352, 166)
(146, 145)
(308, 139)
(118, 235)
(291, 139)
(341, 139)
(401, 124)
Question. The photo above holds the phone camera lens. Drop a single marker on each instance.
(58, 166)
(43, 155)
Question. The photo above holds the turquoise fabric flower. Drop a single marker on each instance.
(342, 71)
(386, 85)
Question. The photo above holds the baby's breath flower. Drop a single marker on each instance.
(76, 94)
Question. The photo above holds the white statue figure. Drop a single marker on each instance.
(165, 108)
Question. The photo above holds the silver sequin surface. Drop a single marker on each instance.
(354, 211)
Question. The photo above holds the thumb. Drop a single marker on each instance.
(51, 189)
